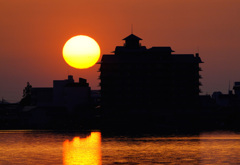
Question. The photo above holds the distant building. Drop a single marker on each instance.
(230, 100)
(222, 100)
(236, 89)
(58, 90)
(136, 80)
(66, 105)
(65, 93)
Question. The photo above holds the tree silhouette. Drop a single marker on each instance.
(26, 100)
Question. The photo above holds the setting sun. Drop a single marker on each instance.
(81, 52)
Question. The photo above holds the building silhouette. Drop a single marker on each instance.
(230, 100)
(66, 105)
(136, 80)
(64, 93)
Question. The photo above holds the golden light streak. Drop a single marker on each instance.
(83, 151)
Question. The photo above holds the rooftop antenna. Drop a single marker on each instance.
(131, 28)
(198, 49)
(228, 85)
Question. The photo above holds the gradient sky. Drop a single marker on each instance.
(33, 32)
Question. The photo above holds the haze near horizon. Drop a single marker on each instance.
(33, 34)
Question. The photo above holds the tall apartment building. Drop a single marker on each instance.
(137, 80)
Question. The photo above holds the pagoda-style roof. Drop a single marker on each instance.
(161, 49)
(132, 37)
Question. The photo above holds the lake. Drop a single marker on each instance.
(30, 147)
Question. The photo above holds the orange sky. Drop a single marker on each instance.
(32, 34)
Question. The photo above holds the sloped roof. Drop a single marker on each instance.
(161, 49)
(132, 37)
(185, 58)
(123, 49)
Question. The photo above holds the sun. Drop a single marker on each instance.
(81, 52)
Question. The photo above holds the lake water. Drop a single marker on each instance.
(72, 148)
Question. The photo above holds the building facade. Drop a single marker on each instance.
(138, 80)
(65, 93)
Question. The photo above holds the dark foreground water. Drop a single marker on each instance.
(49, 148)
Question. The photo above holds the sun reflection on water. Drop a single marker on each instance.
(83, 151)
